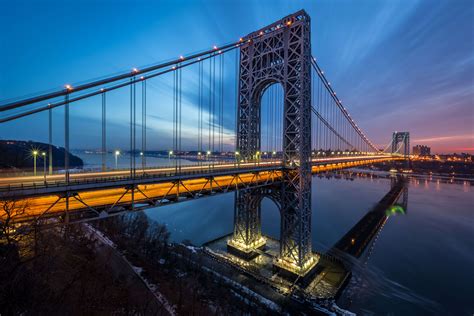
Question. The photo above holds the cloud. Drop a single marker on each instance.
(444, 138)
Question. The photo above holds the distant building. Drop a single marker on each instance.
(421, 150)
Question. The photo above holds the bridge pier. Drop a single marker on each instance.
(247, 235)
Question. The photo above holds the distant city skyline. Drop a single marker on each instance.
(397, 65)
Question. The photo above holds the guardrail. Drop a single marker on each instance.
(207, 170)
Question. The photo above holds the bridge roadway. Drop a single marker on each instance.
(116, 191)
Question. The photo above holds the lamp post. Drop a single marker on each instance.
(208, 153)
(35, 153)
(170, 153)
(237, 158)
(44, 165)
(143, 162)
(116, 154)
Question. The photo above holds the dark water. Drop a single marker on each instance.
(421, 263)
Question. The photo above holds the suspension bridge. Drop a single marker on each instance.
(267, 118)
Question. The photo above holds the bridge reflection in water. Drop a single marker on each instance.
(333, 269)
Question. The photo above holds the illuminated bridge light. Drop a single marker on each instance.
(68, 87)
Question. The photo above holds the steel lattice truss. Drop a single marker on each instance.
(402, 138)
(282, 55)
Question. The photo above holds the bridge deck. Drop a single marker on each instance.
(116, 191)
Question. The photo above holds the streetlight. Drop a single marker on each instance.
(208, 153)
(170, 153)
(117, 153)
(44, 165)
(237, 158)
(143, 161)
(35, 153)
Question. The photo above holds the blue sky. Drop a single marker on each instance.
(397, 65)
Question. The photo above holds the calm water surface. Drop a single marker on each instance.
(421, 263)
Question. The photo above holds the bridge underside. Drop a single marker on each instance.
(83, 203)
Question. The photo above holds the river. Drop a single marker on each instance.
(421, 263)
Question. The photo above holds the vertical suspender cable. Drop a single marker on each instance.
(66, 137)
(210, 107)
(213, 103)
(134, 149)
(311, 117)
(143, 125)
(200, 108)
(131, 127)
(272, 121)
(237, 78)
(180, 106)
(222, 102)
(174, 116)
(104, 149)
(50, 140)
(221, 105)
(266, 104)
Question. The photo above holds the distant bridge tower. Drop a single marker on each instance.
(279, 53)
(402, 138)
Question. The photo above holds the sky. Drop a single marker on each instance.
(397, 65)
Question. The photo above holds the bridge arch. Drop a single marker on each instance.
(269, 100)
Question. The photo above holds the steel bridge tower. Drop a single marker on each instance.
(279, 53)
(404, 138)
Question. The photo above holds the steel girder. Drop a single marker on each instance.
(280, 53)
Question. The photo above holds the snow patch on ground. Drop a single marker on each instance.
(268, 303)
(341, 311)
(192, 248)
(138, 270)
(100, 236)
